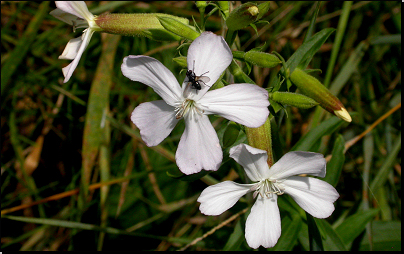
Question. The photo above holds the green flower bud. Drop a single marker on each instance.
(181, 61)
(178, 28)
(263, 8)
(262, 59)
(313, 88)
(224, 7)
(242, 16)
(137, 24)
(293, 99)
(201, 5)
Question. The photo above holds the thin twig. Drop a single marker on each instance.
(224, 223)
(351, 142)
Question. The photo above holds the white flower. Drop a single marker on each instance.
(75, 13)
(199, 146)
(263, 225)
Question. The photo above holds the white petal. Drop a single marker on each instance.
(263, 225)
(199, 146)
(77, 8)
(253, 160)
(63, 16)
(298, 162)
(155, 120)
(220, 197)
(71, 49)
(151, 72)
(313, 195)
(246, 104)
(68, 70)
(209, 55)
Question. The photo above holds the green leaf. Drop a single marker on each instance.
(316, 244)
(332, 240)
(231, 134)
(307, 142)
(354, 225)
(96, 126)
(386, 236)
(306, 51)
(290, 232)
(349, 68)
(310, 29)
(236, 238)
(334, 166)
(17, 56)
(387, 39)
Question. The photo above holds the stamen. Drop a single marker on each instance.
(267, 188)
(187, 105)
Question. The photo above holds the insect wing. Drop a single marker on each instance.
(204, 79)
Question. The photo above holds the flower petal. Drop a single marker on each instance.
(253, 160)
(71, 49)
(63, 16)
(77, 8)
(263, 225)
(209, 55)
(313, 195)
(68, 70)
(151, 72)
(155, 120)
(298, 162)
(246, 104)
(199, 146)
(220, 197)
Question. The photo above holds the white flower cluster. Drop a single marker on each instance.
(247, 104)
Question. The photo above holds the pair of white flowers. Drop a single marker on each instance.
(199, 146)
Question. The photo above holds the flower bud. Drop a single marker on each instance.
(201, 5)
(224, 7)
(262, 59)
(242, 16)
(313, 88)
(293, 99)
(263, 8)
(178, 28)
(138, 24)
(181, 61)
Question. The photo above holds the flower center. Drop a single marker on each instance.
(267, 188)
(185, 107)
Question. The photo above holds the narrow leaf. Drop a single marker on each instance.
(334, 166)
(307, 142)
(306, 51)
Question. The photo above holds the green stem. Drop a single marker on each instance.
(346, 8)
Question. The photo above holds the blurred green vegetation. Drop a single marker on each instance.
(141, 206)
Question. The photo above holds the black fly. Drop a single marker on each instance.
(195, 81)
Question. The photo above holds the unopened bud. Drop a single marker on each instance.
(263, 8)
(224, 7)
(262, 59)
(242, 16)
(293, 99)
(138, 24)
(313, 88)
(181, 61)
(201, 5)
(178, 28)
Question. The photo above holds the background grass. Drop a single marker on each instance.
(142, 208)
